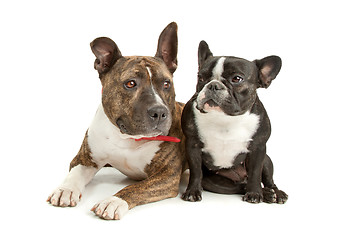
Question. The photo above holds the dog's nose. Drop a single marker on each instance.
(216, 86)
(158, 113)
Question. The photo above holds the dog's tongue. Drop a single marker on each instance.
(160, 138)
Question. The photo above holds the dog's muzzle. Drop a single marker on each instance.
(212, 94)
(154, 121)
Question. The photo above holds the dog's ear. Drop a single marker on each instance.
(168, 46)
(203, 53)
(269, 67)
(106, 52)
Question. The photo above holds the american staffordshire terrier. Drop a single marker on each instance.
(135, 130)
(226, 128)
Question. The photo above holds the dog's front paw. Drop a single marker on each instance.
(253, 197)
(274, 195)
(112, 208)
(269, 195)
(281, 196)
(64, 197)
(192, 195)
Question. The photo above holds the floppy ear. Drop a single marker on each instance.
(106, 52)
(269, 67)
(168, 46)
(203, 53)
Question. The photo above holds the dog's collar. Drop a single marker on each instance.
(159, 138)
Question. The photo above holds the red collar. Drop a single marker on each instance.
(160, 138)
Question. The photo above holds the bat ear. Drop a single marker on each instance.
(168, 46)
(106, 52)
(203, 53)
(269, 67)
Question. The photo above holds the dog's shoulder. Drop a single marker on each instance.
(263, 133)
(188, 118)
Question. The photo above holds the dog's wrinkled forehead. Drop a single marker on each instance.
(221, 67)
(143, 67)
(239, 65)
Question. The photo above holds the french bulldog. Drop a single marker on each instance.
(136, 129)
(226, 129)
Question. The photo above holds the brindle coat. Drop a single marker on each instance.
(126, 109)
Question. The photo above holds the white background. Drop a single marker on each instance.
(50, 92)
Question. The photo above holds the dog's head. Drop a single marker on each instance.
(229, 84)
(138, 92)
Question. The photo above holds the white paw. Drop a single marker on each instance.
(64, 197)
(112, 208)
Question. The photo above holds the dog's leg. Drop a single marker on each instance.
(82, 170)
(163, 181)
(267, 180)
(271, 193)
(194, 188)
(254, 169)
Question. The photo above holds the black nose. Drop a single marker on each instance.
(215, 86)
(158, 113)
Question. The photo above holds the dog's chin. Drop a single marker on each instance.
(142, 134)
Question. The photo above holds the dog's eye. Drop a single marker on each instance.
(130, 84)
(167, 84)
(237, 79)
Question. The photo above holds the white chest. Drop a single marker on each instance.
(108, 145)
(225, 136)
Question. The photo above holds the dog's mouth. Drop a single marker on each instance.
(153, 134)
(148, 134)
(209, 105)
(122, 128)
(140, 128)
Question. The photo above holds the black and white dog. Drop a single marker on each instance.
(227, 127)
